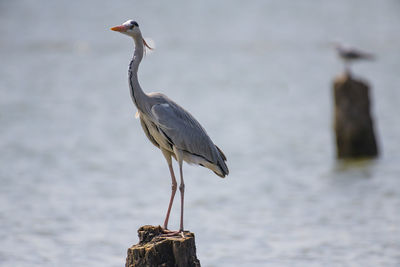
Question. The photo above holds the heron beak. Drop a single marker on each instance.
(120, 28)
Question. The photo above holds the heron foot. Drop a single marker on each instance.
(169, 233)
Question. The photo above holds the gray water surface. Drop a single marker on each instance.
(78, 176)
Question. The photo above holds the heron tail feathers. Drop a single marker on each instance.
(221, 164)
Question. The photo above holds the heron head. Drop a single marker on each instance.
(130, 28)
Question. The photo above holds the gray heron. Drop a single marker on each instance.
(170, 127)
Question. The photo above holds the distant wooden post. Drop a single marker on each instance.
(355, 137)
(156, 250)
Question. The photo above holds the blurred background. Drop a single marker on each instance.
(78, 177)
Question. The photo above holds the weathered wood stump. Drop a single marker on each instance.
(156, 250)
(355, 137)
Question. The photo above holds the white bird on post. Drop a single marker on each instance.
(349, 54)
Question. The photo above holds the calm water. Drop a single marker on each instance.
(78, 176)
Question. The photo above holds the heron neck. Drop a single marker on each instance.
(138, 53)
(137, 93)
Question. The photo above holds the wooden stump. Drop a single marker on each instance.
(353, 125)
(156, 250)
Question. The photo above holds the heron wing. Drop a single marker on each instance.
(183, 130)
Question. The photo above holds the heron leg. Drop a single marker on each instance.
(182, 190)
(179, 233)
(179, 157)
(174, 186)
